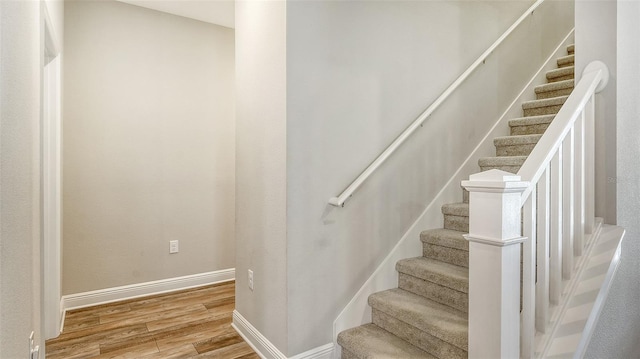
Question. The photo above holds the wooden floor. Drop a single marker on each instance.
(195, 323)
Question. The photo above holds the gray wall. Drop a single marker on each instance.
(148, 146)
(594, 41)
(261, 154)
(20, 291)
(358, 73)
(618, 330)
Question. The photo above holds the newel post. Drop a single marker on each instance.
(494, 263)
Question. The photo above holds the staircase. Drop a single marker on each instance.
(426, 316)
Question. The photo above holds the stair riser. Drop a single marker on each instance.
(560, 78)
(536, 111)
(529, 129)
(435, 292)
(556, 93)
(510, 169)
(445, 279)
(457, 223)
(345, 354)
(445, 254)
(417, 337)
(515, 150)
(371, 341)
(445, 240)
(566, 64)
(565, 61)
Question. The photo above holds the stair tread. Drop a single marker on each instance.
(571, 48)
(554, 101)
(435, 319)
(531, 120)
(555, 86)
(444, 274)
(456, 209)
(516, 140)
(568, 59)
(371, 341)
(563, 71)
(502, 161)
(445, 238)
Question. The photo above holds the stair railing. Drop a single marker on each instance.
(548, 207)
(340, 200)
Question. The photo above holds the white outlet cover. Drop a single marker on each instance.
(173, 247)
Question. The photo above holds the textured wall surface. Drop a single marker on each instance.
(20, 286)
(261, 183)
(618, 330)
(597, 43)
(149, 146)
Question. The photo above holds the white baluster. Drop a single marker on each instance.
(567, 205)
(542, 285)
(589, 131)
(528, 313)
(555, 232)
(494, 263)
(578, 219)
(601, 69)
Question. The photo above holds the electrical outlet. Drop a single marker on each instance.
(250, 279)
(173, 247)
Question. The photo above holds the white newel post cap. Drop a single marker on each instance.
(494, 207)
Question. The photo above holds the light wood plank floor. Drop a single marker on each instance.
(194, 323)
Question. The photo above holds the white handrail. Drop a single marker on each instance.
(554, 209)
(348, 192)
(543, 207)
(593, 80)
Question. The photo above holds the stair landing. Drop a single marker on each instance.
(570, 332)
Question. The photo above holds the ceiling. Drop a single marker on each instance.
(219, 12)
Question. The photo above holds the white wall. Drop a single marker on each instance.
(358, 73)
(594, 42)
(618, 330)
(219, 12)
(56, 13)
(20, 60)
(261, 155)
(148, 146)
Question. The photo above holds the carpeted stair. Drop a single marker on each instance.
(426, 316)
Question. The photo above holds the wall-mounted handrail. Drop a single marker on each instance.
(348, 192)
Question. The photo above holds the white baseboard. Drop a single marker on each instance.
(357, 311)
(255, 339)
(266, 350)
(63, 314)
(108, 295)
(321, 352)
